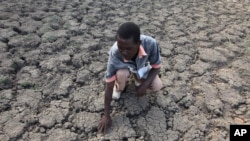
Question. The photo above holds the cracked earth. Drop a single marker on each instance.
(53, 58)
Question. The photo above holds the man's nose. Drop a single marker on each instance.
(124, 52)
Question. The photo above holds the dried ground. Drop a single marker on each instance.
(53, 57)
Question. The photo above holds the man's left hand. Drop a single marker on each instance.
(141, 90)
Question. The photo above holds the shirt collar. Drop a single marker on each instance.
(140, 54)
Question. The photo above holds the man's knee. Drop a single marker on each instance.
(157, 84)
(122, 73)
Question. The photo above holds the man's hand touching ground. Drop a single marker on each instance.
(104, 124)
(141, 90)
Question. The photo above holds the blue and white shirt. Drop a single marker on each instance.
(148, 57)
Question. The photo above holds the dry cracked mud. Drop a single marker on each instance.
(53, 57)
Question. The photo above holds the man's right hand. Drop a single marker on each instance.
(104, 124)
(106, 121)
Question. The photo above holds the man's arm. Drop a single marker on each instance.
(108, 97)
(141, 90)
(106, 119)
(155, 62)
(152, 74)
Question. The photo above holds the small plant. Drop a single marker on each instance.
(26, 85)
(229, 44)
(4, 80)
(36, 87)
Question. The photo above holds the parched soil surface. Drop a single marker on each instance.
(53, 57)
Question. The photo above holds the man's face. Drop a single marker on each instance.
(127, 47)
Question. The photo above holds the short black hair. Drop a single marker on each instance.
(129, 30)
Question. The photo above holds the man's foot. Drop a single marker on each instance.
(137, 83)
(116, 95)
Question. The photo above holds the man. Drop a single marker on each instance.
(135, 54)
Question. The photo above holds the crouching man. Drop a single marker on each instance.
(132, 54)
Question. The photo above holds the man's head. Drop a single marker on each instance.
(128, 40)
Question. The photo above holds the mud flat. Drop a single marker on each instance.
(53, 57)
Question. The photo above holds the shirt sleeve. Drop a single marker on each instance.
(154, 57)
(110, 74)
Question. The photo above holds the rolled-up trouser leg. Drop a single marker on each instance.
(122, 77)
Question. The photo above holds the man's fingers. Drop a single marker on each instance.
(139, 94)
(109, 124)
(100, 128)
(103, 126)
(100, 125)
(105, 129)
